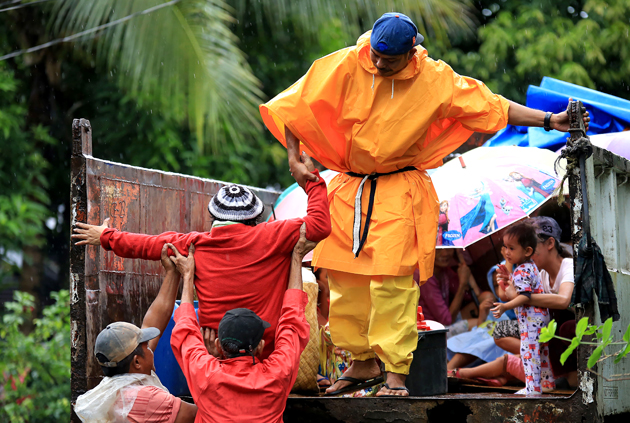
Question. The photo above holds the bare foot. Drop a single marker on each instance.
(322, 381)
(394, 380)
(362, 370)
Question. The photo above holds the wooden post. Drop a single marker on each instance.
(81, 147)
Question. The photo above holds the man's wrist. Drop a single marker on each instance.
(553, 121)
(188, 295)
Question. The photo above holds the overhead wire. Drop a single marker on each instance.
(10, 2)
(20, 5)
(87, 32)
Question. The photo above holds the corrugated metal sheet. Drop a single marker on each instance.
(608, 182)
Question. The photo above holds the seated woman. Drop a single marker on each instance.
(445, 297)
(465, 348)
(556, 272)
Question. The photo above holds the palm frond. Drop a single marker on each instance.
(435, 18)
(184, 59)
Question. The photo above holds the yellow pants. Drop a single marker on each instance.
(375, 315)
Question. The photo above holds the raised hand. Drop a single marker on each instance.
(503, 276)
(209, 337)
(89, 234)
(302, 171)
(185, 265)
(560, 121)
(498, 310)
(167, 263)
(303, 245)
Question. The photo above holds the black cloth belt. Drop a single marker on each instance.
(359, 239)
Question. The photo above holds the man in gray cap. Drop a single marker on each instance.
(130, 390)
(240, 262)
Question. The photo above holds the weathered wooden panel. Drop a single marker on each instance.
(107, 288)
(471, 408)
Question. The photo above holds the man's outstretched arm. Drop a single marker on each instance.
(127, 244)
(301, 249)
(186, 339)
(299, 169)
(520, 115)
(317, 219)
(159, 313)
(292, 333)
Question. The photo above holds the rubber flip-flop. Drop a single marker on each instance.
(402, 388)
(321, 379)
(453, 373)
(355, 384)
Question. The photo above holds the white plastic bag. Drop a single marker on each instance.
(112, 399)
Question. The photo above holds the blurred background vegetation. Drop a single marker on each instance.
(178, 89)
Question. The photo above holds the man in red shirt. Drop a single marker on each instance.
(241, 387)
(130, 390)
(239, 262)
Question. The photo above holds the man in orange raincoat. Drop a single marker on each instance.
(383, 111)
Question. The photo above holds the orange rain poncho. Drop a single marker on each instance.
(352, 120)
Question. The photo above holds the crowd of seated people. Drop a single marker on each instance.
(555, 265)
(448, 296)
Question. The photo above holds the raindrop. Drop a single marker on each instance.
(51, 222)
(583, 14)
(486, 12)
(570, 10)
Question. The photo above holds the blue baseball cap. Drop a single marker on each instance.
(394, 34)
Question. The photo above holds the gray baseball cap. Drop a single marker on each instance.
(547, 226)
(120, 339)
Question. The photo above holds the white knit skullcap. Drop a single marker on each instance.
(235, 203)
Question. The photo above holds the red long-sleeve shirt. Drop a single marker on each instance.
(236, 265)
(236, 390)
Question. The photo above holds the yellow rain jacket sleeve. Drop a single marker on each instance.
(353, 120)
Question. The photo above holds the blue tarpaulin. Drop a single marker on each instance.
(608, 114)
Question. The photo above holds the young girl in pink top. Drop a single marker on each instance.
(520, 243)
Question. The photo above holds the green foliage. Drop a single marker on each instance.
(575, 342)
(306, 20)
(603, 335)
(182, 60)
(127, 133)
(23, 193)
(582, 42)
(547, 333)
(35, 367)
